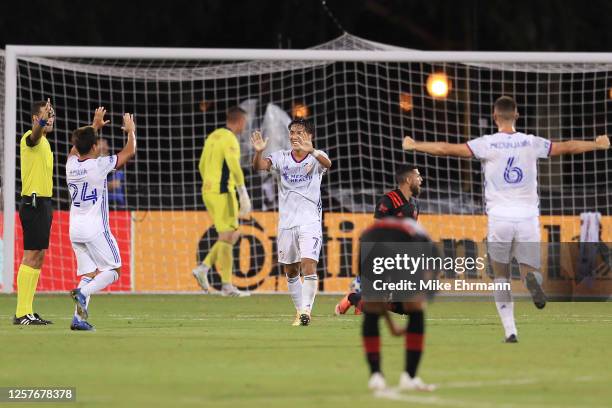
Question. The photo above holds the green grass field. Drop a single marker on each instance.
(209, 351)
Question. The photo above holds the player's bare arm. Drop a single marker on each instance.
(259, 144)
(40, 121)
(437, 148)
(580, 146)
(306, 146)
(129, 128)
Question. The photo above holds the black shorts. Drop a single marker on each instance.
(36, 222)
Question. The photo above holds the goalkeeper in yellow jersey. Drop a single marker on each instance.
(222, 177)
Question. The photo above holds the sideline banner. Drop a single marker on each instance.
(168, 244)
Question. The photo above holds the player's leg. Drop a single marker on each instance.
(370, 333)
(414, 345)
(227, 227)
(36, 226)
(353, 298)
(201, 271)
(499, 239)
(528, 256)
(309, 289)
(294, 286)
(86, 271)
(350, 299)
(104, 252)
(288, 255)
(309, 241)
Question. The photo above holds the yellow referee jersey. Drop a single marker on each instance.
(220, 163)
(36, 167)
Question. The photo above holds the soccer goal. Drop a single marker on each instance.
(363, 98)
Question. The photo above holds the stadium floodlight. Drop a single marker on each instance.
(438, 85)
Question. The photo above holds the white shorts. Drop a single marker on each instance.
(299, 242)
(518, 239)
(102, 253)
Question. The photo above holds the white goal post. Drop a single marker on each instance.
(551, 63)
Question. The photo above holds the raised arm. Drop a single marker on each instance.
(39, 125)
(129, 150)
(438, 148)
(98, 121)
(259, 144)
(579, 146)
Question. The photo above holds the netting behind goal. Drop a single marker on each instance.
(361, 111)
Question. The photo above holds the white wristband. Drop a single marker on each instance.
(316, 153)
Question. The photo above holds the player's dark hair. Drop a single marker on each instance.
(235, 113)
(302, 122)
(505, 107)
(402, 172)
(84, 138)
(37, 106)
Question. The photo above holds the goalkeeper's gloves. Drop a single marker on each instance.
(244, 200)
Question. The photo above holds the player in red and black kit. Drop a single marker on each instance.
(398, 203)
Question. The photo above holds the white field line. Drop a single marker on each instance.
(393, 393)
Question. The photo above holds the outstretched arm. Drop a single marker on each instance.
(129, 127)
(259, 144)
(438, 148)
(579, 146)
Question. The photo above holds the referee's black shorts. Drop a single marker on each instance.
(36, 222)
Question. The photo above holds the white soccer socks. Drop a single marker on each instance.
(84, 281)
(309, 291)
(295, 290)
(101, 281)
(505, 307)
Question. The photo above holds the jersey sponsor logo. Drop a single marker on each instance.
(295, 175)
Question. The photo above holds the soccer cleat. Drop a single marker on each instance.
(511, 339)
(534, 287)
(81, 325)
(231, 290)
(200, 273)
(414, 384)
(81, 303)
(305, 318)
(377, 382)
(36, 315)
(296, 321)
(343, 306)
(28, 320)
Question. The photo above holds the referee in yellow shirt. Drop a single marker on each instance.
(222, 177)
(35, 209)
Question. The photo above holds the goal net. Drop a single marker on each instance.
(361, 103)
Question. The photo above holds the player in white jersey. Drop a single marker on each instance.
(95, 247)
(298, 173)
(509, 160)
